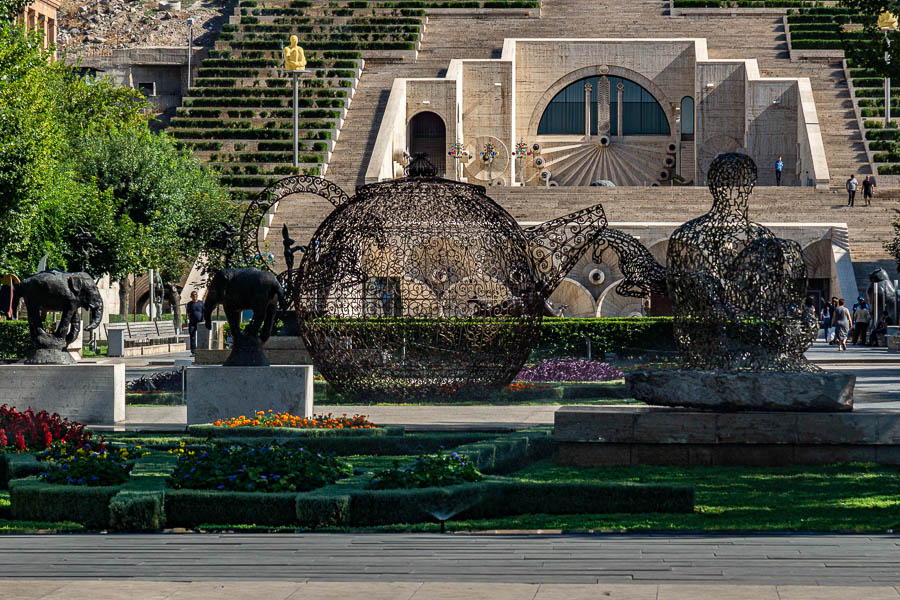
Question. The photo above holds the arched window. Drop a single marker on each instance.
(427, 134)
(687, 116)
(641, 113)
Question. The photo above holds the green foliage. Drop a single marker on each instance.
(67, 465)
(17, 466)
(568, 337)
(140, 506)
(189, 508)
(267, 468)
(151, 207)
(10, 9)
(34, 500)
(893, 246)
(428, 470)
(14, 339)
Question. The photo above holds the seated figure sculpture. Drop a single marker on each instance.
(736, 289)
(294, 60)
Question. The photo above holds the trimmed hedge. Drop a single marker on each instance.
(14, 339)
(491, 498)
(568, 337)
(34, 500)
(189, 508)
(140, 504)
(17, 466)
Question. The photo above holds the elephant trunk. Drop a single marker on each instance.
(96, 317)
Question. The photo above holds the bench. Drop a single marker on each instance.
(143, 338)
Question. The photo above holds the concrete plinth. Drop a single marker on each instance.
(92, 394)
(820, 391)
(589, 436)
(214, 392)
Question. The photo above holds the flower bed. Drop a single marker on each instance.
(68, 465)
(570, 370)
(29, 431)
(269, 468)
(273, 419)
(434, 470)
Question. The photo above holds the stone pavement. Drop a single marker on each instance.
(316, 590)
(588, 560)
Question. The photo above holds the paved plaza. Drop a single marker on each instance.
(431, 566)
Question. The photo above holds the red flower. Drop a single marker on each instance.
(20, 442)
(2, 439)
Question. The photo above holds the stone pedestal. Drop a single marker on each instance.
(589, 436)
(820, 392)
(280, 350)
(87, 393)
(214, 392)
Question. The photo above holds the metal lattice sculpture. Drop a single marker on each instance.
(737, 290)
(642, 274)
(426, 287)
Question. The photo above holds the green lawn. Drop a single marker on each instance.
(845, 497)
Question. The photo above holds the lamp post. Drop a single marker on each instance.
(521, 152)
(488, 154)
(887, 22)
(190, 23)
(457, 152)
(295, 64)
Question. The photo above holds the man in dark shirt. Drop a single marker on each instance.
(195, 317)
(868, 187)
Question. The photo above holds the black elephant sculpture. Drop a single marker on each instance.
(64, 292)
(245, 289)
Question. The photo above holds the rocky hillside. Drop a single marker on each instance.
(92, 26)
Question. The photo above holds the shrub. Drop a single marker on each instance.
(273, 419)
(429, 470)
(67, 465)
(29, 431)
(14, 340)
(269, 468)
(566, 337)
(570, 370)
(34, 500)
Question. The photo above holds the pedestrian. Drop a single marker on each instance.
(861, 317)
(195, 317)
(852, 184)
(843, 321)
(868, 189)
(826, 321)
(879, 331)
(779, 166)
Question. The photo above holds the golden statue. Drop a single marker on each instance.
(887, 20)
(294, 60)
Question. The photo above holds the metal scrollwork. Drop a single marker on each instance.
(249, 239)
(738, 290)
(555, 246)
(643, 275)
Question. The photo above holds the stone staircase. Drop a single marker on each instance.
(761, 37)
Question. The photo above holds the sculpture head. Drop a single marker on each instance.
(731, 177)
(84, 288)
(294, 41)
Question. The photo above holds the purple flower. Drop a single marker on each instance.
(570, 370)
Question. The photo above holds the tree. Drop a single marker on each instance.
(10, 9)
(893, 246)
(77, 152)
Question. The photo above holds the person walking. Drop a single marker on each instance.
(779, 167)
(868, 189)
(195, 317)
(852, 184)
(826, 321)
(861, 317)
(843, 321)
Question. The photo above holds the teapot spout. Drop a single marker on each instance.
(555, 246)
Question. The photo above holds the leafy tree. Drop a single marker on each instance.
(10, 9)
(77, 152)
(893, 246)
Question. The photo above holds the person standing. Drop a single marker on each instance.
(852, 184)
(842, 324)
(868, 189)
(195, 317)
(826, 321)
(779, 167)
(861, 317)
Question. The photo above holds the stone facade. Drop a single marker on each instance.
(41, 15)
(503, 100)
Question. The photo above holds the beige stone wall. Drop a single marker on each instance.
(41, 15)
(487, 106)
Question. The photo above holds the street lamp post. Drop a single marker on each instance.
(190, 23)
(458, 152)
(522, 151)
(887, 22)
